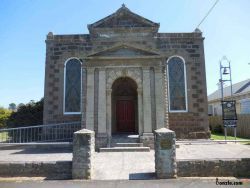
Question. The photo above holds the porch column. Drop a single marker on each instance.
(83, 95)
(159, 98)
(90, 99)
(147, 115)
(109, 112)
(102, 102)
(140, 112)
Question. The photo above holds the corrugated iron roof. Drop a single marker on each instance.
(238, 88)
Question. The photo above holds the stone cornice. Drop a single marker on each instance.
(123, 58)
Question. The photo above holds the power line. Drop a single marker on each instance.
(210, 10)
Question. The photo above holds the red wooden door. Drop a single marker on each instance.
(125, 115)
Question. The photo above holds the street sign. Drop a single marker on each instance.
(229, 113)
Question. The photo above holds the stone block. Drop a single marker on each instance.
(165, 156)
(148, 140)
(101, 141)
(83, 153)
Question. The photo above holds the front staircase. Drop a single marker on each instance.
(125, 143)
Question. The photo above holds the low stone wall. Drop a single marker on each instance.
(50, 170)
(218, 168)
(185, 168)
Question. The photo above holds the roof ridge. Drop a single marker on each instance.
(243, 87)
(120, 11)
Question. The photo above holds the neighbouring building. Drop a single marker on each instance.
(125, 76)
(241, 94)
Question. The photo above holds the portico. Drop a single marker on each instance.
(124, 92)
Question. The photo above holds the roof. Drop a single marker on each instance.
(238, 88)
(123, 18)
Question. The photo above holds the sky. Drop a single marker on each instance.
(24, 25)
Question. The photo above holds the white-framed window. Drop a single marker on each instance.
(177, 84)
(72, 86)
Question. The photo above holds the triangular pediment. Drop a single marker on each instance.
(123, 18)
(124, 51)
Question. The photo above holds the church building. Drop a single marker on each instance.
(126, 77)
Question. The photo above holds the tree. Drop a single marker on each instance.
(27, 115)
(4, 116)
(12, 107)
(19, 105)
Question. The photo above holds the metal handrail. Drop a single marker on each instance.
(35, 126)
(40, 133)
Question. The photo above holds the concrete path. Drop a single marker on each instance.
(124, 165)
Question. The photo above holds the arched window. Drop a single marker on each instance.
(72, 86)
(177, 90)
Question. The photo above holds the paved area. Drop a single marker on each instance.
(129, 165)
(35, 154)
(180, 182)
(186, 151)
(213, 151)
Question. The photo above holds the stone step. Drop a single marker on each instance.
(128, 144)
(125, 149)
(124, 138)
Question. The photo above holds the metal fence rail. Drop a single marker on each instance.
(40, 133)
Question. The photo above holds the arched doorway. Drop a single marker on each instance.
(124, 106)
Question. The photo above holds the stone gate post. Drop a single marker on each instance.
(165, 157)
(83, 153)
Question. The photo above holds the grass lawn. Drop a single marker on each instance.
(217, 136)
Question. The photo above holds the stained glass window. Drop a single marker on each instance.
(72, 86)
(177, 84)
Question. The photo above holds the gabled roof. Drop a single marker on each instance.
(238, 88)
(123, 18)
(124, 51)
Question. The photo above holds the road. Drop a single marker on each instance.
(179, 182)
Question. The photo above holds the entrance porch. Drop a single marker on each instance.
(124, 100)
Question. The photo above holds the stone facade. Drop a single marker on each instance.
(126, 45)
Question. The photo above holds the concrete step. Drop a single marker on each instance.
(128, 144)
(125, 138)
(125, 149)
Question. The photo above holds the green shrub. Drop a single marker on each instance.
(217, 129)
(4, 116)
(27, 115)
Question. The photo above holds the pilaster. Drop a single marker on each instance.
(147, 114)
(90, 99)
(159, 98)
(102, 102)
(140, 111)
